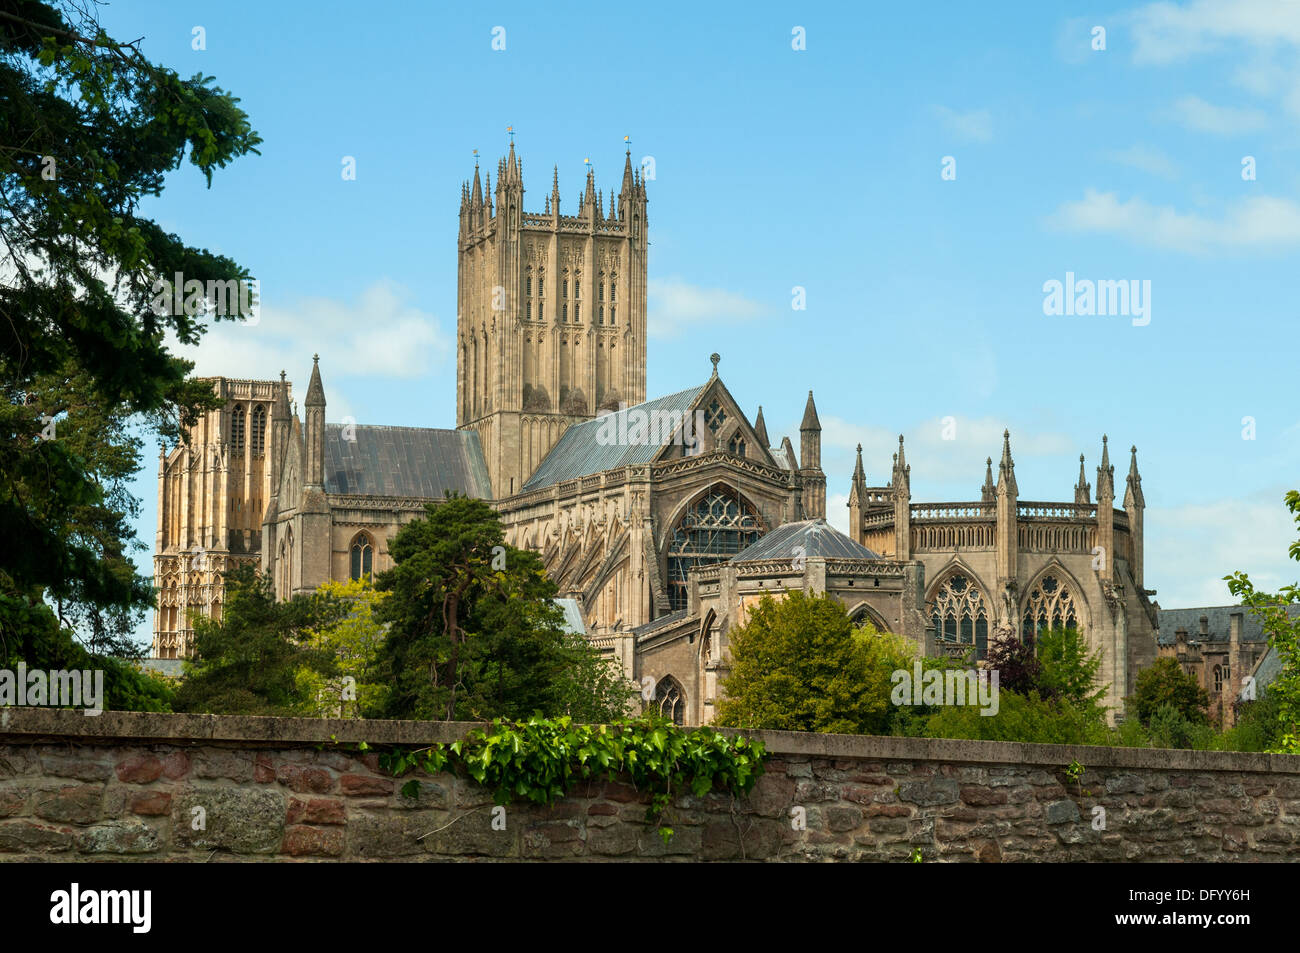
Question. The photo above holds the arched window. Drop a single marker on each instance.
(1050, 606)
(528, 280)
(577, 284)
(613, 314)
(613, 287)
(363, 556)
(961, 615)
(602, 286)
(670, 700)
(715, 415)
(258, 436)
(736, 445)
(717, 527)
(237, 427)
(1218, 679)
(600, 315)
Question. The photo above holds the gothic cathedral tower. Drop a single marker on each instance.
(551, 315)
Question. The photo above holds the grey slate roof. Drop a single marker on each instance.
(663, 622)
(1267, 671)
(581, 451)
(405, 461)
(572, 616)
(1171, 620)
(816, 537)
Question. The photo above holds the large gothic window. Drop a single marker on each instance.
(363, 555)
(1050, 606)
(258, 435)
(670, 700)
(961, 615)
(237, 428)
(717, 527)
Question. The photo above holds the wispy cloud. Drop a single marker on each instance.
(973, 126)
(380, 334)
(1167, 32)
(674, 304)
(1145, 159)
(1196, 114)
(1196, 545)
(1259, 222)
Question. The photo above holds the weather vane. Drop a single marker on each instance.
(511, 130)
(628, 140)
(476, 157)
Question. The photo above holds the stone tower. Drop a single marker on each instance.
(212, 491)
(551, 314)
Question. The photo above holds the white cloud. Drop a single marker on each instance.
(674, 304)
(1252, 222)
(380, 334)
(1146, 159)
(1167, 32)
(1190, 548)
(973, 126)
(1198, 115)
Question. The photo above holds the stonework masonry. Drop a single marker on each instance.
(131, 786)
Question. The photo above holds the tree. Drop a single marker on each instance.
(796, 666)
(353, 640)
(1165, 683)
(1066, 670)
(88, 128)
(474, 632)
(248, 662)
(1017, 664)
(1283, 635)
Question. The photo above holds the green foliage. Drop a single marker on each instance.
(1066, 670)
(1074, 772)
(1169, 727)
(88, 129)
(473, 631)
(248, 662)
(798, 665)
(1165, 683)
(540, 760)
(353, 641)
(1026, 718)
(1284, 636)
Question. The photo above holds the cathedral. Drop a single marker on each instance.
(662, 520)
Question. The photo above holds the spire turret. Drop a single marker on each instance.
(988, 492)
(1133, 492)
(1083, 487)
(760, 428)
(1105, 475)
(1007, 468)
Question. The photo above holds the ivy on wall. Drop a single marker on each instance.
(541, 759)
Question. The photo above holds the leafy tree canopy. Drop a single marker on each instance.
(89, 128)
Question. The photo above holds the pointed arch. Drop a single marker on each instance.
(714, 525)
(361, 556)
(1054, 600)
(864, 612)
(670, 700)
(962, 608)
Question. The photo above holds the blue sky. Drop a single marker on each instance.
(818, 168)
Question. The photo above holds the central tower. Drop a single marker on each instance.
(551, 314)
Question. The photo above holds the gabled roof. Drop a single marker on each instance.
(585, 449)
(807, 538)
(1252, 630)
(405, 461)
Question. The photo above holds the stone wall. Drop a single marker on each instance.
(130, 786)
